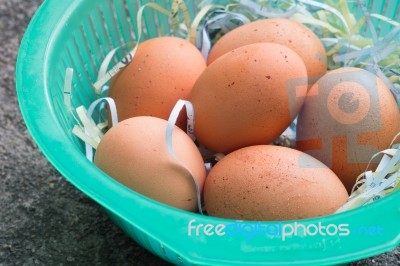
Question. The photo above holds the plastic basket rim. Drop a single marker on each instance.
(26, 61)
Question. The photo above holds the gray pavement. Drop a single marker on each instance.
(44, 220)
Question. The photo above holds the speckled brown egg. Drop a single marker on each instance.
(163, 70)
(348, 116)
(134, 153)
(249, 96)
(268, 183)
(282, 31)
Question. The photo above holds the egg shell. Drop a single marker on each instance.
(249, 96)
(282, 31)
(134, 153)
(163, 70)
(348, 116)
(268, 183)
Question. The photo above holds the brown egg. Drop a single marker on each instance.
(348, 116)
(163, 71)
(270, 183)
(248, 96)
(282, 31)
(134, 153)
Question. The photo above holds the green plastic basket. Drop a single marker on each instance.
(78, 34)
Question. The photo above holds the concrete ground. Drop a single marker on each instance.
(43, 219)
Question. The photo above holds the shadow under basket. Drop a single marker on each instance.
(79, 34)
